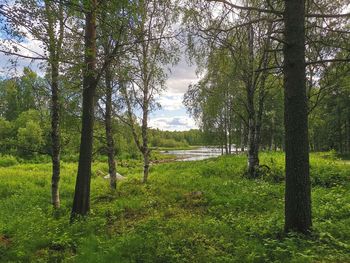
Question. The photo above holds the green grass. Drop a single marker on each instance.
(232, 219)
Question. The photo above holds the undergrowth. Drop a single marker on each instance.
(204, 211)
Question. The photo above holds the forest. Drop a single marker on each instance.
(87, 174)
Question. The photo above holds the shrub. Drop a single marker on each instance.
(7, 160)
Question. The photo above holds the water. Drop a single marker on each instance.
(197, 154)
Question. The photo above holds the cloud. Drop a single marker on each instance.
(177, 123)
(172, 116)
(180, 77)
(179, 85)
(170, 102)
(29, 47)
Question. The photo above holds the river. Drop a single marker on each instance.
(200, 153)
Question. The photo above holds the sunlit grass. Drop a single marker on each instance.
(203, 211)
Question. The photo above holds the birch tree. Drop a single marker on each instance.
(45, 22)
(153, 29)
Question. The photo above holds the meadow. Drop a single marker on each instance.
(203, 211)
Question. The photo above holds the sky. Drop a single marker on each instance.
(171, 116)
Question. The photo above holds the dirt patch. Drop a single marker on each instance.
(194, 199)
(165, 161)
(5, 241)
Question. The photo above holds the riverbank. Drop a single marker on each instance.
(202, 211)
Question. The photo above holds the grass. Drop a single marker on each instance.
(202, 211)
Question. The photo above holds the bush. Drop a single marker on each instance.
(7, 160)
(331, 155)
(169, 143)
(272, 172)
(329, 174)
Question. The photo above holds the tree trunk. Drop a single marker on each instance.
(230, 139)
(348, 133)
(253, 158)
(298, 189)
(109, 132)
(226, 135)
(272, 142)
(81, 203)
(144, 131)
(339, 129)
(242, 136)
(145, 167)
(54, 47)
(55, 135)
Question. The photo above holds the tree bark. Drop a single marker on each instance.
(81, 203)
(145, 167)
(253, 151)
(242, 136)
(272, 131)
(55, 136)
(226, 133)
(339, 129)
(230, 138)
(109, 133)
(298, 189)
(54, 47)
(348, 133)
(145, 149)
(253, 159)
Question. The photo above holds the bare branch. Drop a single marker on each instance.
(248, 8)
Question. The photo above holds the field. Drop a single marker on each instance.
(204, 211)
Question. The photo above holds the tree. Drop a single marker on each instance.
(211, 101)
(249, 48)
(298, 188)
(91, 78)
(81, 203)
(54, 15)
(108, 128)
(45, 22)
(155, 48)
(114, 29)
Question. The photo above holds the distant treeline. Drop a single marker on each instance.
(25, 124)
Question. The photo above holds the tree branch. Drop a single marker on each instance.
(248, 8)
(327, 60)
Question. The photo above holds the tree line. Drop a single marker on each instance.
(25, 125)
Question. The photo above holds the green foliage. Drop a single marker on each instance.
(169, 143)
(30, 135)
(7, 160)
(330, 120)
(25, 124)
(203, 211)
(24, 121)
(5, 128)
(176, 139)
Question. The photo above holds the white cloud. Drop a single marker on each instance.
(172, 115)
(29, 47)
(179, 85)
(180, 77)
(177, 123)
(170, 102)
